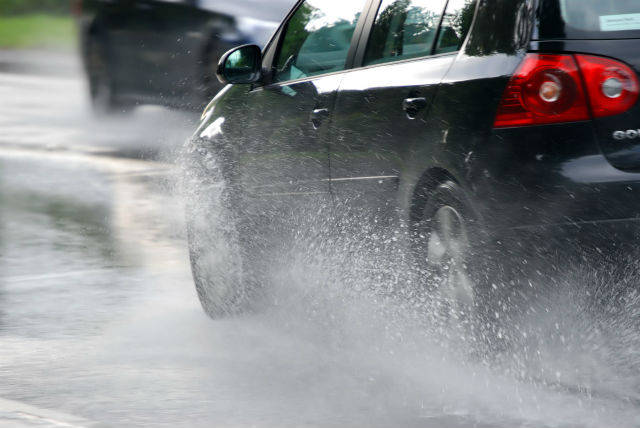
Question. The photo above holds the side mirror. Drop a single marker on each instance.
(240, 65)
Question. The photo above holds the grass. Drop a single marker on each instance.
(37, 31)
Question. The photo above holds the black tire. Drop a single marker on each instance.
(218, 264)
(102, 88)
(220, 285)
(219, 261)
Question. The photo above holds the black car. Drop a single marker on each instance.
(468, 127)
(166, 51)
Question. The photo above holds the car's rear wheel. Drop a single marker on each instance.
(447, 252)
(445, 236)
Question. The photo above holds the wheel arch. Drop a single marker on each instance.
(429, 180)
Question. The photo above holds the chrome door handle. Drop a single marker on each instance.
(412, 106)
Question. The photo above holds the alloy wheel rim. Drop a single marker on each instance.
(447, 252)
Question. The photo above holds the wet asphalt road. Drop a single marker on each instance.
(48, 109)
(99, 319)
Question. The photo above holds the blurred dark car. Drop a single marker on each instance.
(165, 51)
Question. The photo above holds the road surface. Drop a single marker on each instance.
(99, 318)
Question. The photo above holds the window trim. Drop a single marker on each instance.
(272, 51)
(434, 46)
(271, 48)
(356, 69)
(363, 40)
(407, 60)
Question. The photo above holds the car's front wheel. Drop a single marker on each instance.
(218, 263)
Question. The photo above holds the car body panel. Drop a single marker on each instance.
(293, 157)
(623, 153)
(538, 177)
(373, 139)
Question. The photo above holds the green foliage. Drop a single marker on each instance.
(37, 31)
(20, 7)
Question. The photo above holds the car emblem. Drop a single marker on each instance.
(630, 134)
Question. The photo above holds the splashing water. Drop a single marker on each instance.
(364, 329)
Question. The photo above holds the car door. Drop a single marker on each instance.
(382, 133)
(285, 157)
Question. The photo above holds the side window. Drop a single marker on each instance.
(317, 38)
(455, 25)
(403, 29)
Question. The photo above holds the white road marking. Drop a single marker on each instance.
(29, 278)
(17, 414)
(119, 164)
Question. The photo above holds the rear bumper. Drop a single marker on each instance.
(554, 182)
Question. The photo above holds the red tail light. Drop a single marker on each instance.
(612, 86)
(549, 89)
(544, 89)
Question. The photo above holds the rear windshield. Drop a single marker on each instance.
(589, 19)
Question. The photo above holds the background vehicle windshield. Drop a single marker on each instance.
(589, 19)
